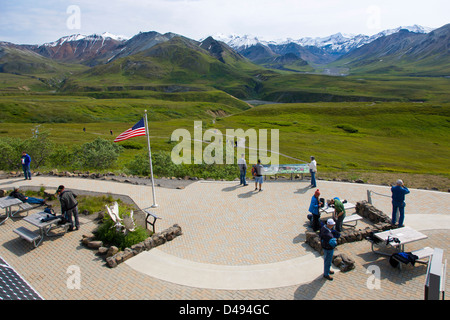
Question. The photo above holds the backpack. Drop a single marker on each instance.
(253, 170)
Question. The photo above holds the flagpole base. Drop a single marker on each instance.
(154, 206)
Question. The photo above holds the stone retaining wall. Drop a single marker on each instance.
(114, 257)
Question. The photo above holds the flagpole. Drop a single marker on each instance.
(150, 158)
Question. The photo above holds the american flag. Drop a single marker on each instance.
(137, 130)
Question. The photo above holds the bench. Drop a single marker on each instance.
(28, 235)
(353, 218)
(155, 217)
(421, 254)
(25, 207)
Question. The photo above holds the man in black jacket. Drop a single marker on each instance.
(69, 206)
(328, 241)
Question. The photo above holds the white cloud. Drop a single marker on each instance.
(45, 20)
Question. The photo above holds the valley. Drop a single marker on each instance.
(380, 107)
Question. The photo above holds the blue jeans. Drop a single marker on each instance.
(68, 215)
(34, 200)
(26, 171)
(313, 178)
(401, 208)
(328, 258)
(242, 176)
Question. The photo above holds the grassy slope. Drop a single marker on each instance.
(391, 137)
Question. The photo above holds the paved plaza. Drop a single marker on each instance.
(237, 243)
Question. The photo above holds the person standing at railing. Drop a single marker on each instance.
(313, 171)
(398, 202)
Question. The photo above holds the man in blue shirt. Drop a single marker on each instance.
(398, 202)
(26, 160)
(329, 242)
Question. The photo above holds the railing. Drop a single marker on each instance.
(370, 193)
(436, 276)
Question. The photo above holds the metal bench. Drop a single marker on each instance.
(29, 235)
(152, 223)
(25, 207)
(423, 253)
(353, 218)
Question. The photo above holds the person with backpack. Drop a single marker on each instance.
(257, 173)
(328, 242)
(315, 212)
(69, 206)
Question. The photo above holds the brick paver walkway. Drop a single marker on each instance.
(224, 224)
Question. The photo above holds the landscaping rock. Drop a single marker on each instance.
(112, 251)
(102, 250)
(343, 262)
(111, 262)
(138, 248)
(95, 244)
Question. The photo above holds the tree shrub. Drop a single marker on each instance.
(98, 154)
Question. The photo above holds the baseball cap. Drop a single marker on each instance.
(331, 222)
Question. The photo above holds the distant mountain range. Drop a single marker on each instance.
(235, 64)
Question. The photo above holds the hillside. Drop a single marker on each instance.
(179, 61)
(403, 53)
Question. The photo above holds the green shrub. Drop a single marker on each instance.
(107, 233)
(164, 167)
(98, 154)
(131, 145)
(347, 128)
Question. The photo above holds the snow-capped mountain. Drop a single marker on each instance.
(93, 37)
(78, 47)
(334, 44)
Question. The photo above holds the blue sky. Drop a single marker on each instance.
(37, 22)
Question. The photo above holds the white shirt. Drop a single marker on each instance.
(313, 166)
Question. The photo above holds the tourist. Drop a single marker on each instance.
(314, 209)
(339, 213)
(328, 242)
(16, 194)
(258, 175)
(313, 171)
(69, 206)
(398, 202)
(26, 160)
(242, 170)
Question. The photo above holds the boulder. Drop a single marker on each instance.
(111, 262)
(343, 262)
(112, 251)
(95, 244)
(138, 248)
(102, 250)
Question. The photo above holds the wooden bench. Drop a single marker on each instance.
(154, 216)
(28, 235)
(353, 218)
